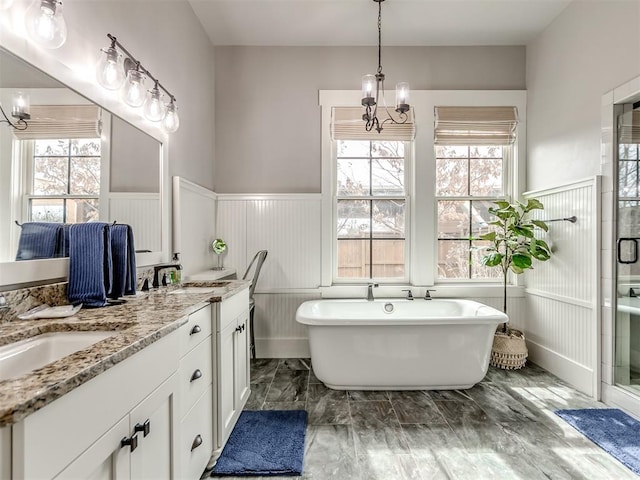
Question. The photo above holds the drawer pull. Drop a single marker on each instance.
(238, 329)
(195, 329)
(196, 375)
(132, 442)
(196, 442)
(145, 427)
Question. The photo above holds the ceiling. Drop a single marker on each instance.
(353, 22)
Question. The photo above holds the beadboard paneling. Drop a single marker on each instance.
(141, 211)
(563, 315)
(287, 226)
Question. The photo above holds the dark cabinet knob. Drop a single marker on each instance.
(196, 375)
(145, 427)
(132, 442)
(196, 442)
(195, 329)
(242, 326)
(238, 329)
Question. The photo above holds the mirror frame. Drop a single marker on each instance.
(40, 271)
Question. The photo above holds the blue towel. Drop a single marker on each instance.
(63, 245)
(124, 261)
(90, 266)
(39, 240)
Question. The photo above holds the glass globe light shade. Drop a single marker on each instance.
(45, 23)
(154, 109)
(368, 89)
(171, 121)
(20, 106)
(133, 91)
(110, 69)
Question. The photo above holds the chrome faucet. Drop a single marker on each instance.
(370, 291)
(409, 294)
(632, 292)
(427, 294)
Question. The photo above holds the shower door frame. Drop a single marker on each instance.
(612, 102)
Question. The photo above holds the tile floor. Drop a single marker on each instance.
(502, 428)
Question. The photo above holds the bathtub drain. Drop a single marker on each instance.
(388, 307)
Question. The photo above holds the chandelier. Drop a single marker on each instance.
(370, 102)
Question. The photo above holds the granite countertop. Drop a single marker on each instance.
(139, 322)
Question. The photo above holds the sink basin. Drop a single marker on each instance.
(21, 357)
(192, 290)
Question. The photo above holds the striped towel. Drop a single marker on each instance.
(90, 266)
(39, 240)
(124, 261)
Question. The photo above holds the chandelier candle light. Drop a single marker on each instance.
(19, 111)
(374, 84)
(116, 71)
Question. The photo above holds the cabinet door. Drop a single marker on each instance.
(242, 365)
(154, 421)
(104, 460)
(226, 382)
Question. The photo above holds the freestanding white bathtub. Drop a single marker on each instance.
(399, 344)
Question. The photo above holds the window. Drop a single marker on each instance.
(371, 209)
(64, 180)
(468, 180)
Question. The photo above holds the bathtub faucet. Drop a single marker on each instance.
(427, 295)
(409, 294)
(370, 291)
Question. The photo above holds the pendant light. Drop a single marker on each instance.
(110, 71)
(133, 91)
(171, 120)
(154, 109)
(45, 23)
(19, 111)
(373, 91)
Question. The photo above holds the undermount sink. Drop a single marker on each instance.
(27, 355)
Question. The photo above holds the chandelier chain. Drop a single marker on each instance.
(380, 37)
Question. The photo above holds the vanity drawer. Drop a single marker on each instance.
(194, 375)
(196, 440)
(195, 330)
(232, 308)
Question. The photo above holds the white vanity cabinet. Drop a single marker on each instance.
(232, 345)
(5, 452)
(195, 377)
(80, 435)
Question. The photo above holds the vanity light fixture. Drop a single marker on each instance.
(117, 68)
(45, 23)
(371, 82)
(19, 111)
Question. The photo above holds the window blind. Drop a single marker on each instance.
(347, 124)
(475, 125)
(61, 121)
(629, 128)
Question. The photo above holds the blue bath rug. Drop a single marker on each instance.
(265, 443)
(611, 429)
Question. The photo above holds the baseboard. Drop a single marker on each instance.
(577, 375)
(282, 348)
(620, 398)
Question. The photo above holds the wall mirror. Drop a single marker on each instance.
(115, 176)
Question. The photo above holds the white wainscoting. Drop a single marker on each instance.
(142, 212)
(562, 324)
(194, 220)
(288, 227)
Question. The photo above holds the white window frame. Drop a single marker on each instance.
(408, 169)
(422, 209)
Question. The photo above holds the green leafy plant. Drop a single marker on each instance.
(218, 246)
(513, 242)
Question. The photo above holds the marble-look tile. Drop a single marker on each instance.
(385, 466)
(530, 375)
(263, 370)
(284, 406)
(312, 377)
(499, 405)
(290, 388)
(420, 397)
(449, 395)
(416, 411)
(374, 413)
(456, 413)
(294, 364)
(318, 392)
(428, 443)
(329, 412)
(368, 395)
(488, 466)
(488, 437)
(330, 453)
(257, 397)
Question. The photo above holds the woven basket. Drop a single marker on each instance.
(509, 351)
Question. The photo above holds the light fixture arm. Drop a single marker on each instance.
(132, 63)
(21, 124)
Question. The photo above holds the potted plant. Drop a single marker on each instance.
(513, 248)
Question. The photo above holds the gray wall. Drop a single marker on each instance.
(591, 48)
(267, 114)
